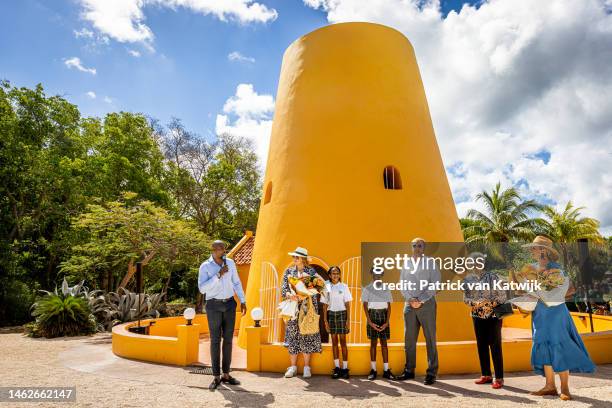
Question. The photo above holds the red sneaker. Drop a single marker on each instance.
(485, 379)
(497, 384)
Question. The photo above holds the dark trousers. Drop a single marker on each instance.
(221, 319)
(488, 337)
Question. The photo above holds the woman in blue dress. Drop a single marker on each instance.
(557, 346)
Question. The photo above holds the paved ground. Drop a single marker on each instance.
(104, 380)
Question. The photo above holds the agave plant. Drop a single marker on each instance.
(126, 305)
(62, 315)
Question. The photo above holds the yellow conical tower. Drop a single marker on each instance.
(351, 103)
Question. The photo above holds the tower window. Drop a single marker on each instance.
(391, 178)
(268, 193)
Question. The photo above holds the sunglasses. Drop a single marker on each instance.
(417, 245)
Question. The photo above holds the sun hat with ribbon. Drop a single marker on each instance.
(543, 242)
(299, 251)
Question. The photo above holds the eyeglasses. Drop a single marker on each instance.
(417, 245)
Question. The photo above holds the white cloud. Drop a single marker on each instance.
(238, 57)
(83, 33)
(508, 80)
(124, 20)
(91, 95)
(108, 100)
(75, 62)
(248, 114)
(134, 53)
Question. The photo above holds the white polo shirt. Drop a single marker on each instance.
(336, 297)
(377, 299)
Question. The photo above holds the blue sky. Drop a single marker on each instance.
(520, 91)
(188, 75)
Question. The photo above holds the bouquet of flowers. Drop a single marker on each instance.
(306, 286)
(302, 287)
(548, 278)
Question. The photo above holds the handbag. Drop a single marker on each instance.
(308, 322)
(502, 310)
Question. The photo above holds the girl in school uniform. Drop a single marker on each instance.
(336, 310)
(377, 307)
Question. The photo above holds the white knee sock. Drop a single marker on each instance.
(337, 362)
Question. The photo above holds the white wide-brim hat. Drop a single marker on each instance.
(299, 251)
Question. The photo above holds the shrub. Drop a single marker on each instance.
(62, 315)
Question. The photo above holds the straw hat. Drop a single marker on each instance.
(299, 251)
(543, 242)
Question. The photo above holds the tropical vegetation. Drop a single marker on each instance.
(86, 198)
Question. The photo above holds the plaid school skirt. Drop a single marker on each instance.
(378, 317)
(337, 322)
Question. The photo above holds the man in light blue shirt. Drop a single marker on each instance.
(218, 280)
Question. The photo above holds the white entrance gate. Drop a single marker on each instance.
(269, 298)
(351, 275)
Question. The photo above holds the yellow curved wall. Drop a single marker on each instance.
(350, 101)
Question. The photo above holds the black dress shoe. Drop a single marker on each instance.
(336, 373)
(345, 373)
(372, 375)
(388, 375)
(406, 375)
(214, 384)
(429, 380)
(230, 380)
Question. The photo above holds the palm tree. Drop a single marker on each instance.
(506, 218)
(567, 226)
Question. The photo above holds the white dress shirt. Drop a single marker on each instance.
(336, 297)
(376, 298)
(221, 288)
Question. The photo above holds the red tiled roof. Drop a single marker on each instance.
(243, 255)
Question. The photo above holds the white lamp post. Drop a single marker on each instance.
(257, 314)
(189, 314)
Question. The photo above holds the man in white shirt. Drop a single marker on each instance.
(420, 311)
(218, 280)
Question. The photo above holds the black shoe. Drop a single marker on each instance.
(372, 375)
(230, 380)
(336, 373)
(429, 379)
(345, 373)
(388, 375)
(214, 384)
(406, 375)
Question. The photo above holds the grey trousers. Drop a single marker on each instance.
(221, 320)
(414, 319)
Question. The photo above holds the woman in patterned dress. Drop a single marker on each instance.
(487, 326)
(296, 342)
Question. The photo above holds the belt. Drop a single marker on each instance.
(220, 300)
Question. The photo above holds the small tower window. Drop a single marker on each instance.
(268, 193)
(391, 178)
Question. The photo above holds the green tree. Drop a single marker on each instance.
(566, 227)
(215, 184)
(118, 234)
(506, 218)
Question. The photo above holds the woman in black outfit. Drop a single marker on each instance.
(486, 326)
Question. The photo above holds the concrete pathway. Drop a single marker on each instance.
(105, 380)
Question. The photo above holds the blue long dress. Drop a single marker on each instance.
(556, 341)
